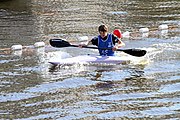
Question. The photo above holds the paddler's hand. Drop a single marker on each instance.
(82, 45)
(114, 48)
(119, 45)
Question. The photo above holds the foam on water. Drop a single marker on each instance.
(57, 55)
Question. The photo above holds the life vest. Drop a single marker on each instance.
(105, 46)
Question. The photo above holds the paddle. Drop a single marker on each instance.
(62, 43)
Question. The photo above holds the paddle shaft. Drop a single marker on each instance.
(98, 48)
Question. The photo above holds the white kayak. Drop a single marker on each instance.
(84, 59)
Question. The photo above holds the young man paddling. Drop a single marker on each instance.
(106, 42)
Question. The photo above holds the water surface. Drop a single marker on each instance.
(30, 88)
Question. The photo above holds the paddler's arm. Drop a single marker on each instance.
(81, 45)
(118, 43)
(90, 42)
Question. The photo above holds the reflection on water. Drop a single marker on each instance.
(15, 5)
(30, 88)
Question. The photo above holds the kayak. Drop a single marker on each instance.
(85, 59)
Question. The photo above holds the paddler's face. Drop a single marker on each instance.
(103, 34)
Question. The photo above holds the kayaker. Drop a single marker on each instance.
(106, 42)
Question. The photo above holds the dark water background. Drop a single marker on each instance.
(30, 88)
